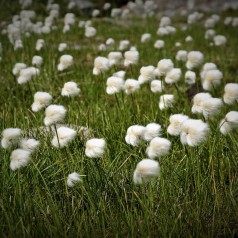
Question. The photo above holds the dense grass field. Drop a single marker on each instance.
(196, 192)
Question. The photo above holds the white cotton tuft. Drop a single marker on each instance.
(190, 77)
(29, 144)
(176, 122)
(19, 158)
(37, 60)
(62, 47)
(26, 74)
(211, 107)
(229, 123)
(145, 170)
(120, 74)
(219, 40)
(165, 65)
(115, 58)
(159, 44)
(146, 74)
(158, 147)
(95, 148)
(64, 136)
(182, 55)
(194, 60)
(124, 44)
(90, 31)
(54, 114)
(41, 100)
(212, 79)
(198, 101)
(145, 37)
(166, 101)
(114, 85)
(72, 179)
(17, 68)
(194, 132)
(173, 76)
(70, 89)
(10, 136)
(131, 86)
(156, 86)
(65, 62)
(101, 64)
(131, 57)
(135, 135)
(231, 93)
(151, 131)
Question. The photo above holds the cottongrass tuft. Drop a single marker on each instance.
(158, 147)
(19, 158)
(95, 148)
(198, 101)
(114, 85)
(17, 68)
(131, 57)
(41, 100)
(211, 107)
(152, 130)
(54, 114)
(156, 86)
(146, 74)
(194, 132)
(73, 179)
(190, 77)
(64, 136)
(212, 79)
(176, 122)
(194, 60)
(29, 144)
(229, 123)
(166, 101)
(231, 93)
(165, 65)
(131, 86)
(173, 76)
(145, 170)
(70, 89)
(135, 135)
(10, 136)
(115, 58)
(37, 60)
(101, 64)
(182, 55)
(65, 62)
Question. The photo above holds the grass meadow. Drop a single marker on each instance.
(196, 192)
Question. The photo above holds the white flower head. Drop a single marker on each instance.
(145, 170)
(65, 62)
(219, 40)
(212, 79)
(101, 64)
(64, 136)
(176, 122)
(72, 179)
(19, 158)
(115, 58)
(95, 13)
(40, 44)
(90, 31)
(37, 60)
(165, 65)
(231, 93)
(131, 57)
(158, 147)
(29, 144)
(188, 39)
(166, 101)
(131, 86)
(62, 47)
(54, 114)
(194, 60)
(147, 73)
(198, 101)
(211, 107)
(152, 130)
(106, 6)
(182, 55)
(10, 136)
(18, 67)
(206, 67)
(26, 74)
(157, 86)
(70, 89)
(165, 21)
(145, 37)
(124, 44)
(229, 123)
(159, 44)
(41, 100)
(190, 77)
(135, 135)
(102, 47)
(194, 132)
(114, 85)
(95, 148)
(120, 74)
(210, 33)
(173, 76)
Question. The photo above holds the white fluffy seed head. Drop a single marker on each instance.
(210, 33)
(145, 37)
(120, 74)
(95, 148)
(157, 86)
(211, 107)
(151, 131)
(173, 76)
(29, 144)
(190, 77)
(101, 64)
(176, 122)
(159, 44)
(19, 158)
(134, 135)
(72, 179)
(18, 67)
(146, 74)
(145, 170)
(198, 101)
(219, 40)
(182, 55)
(90, 31)
(115, 58)
(62, 47)
(37, 60)
(41, 100)
(212, 79)
(194, 60)
(165, 65)
(229, 123)
(114, 85)
(124, 44)
(65, 62)
(194, 132)
(231, 93)
(166, 101)
(131, 86)
(158, 147)
(54, 114)
(10, 136)
(64, 136)
(131, 57)
(70, 89)
(26, 74)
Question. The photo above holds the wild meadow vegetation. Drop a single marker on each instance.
(192, 188)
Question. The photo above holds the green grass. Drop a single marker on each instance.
(196, 194)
